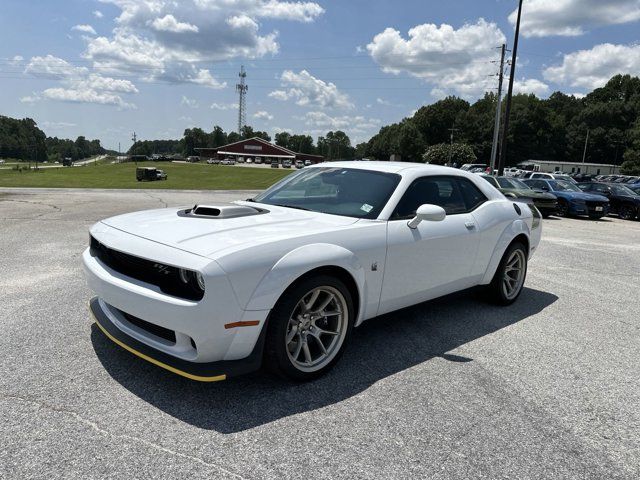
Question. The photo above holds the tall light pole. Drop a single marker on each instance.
(586, 144)
(507, 110)
(496, 128)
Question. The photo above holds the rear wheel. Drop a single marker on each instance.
(627, 212)
(309, 328)
(509, 278)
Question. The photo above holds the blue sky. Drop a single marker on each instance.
(106, 68)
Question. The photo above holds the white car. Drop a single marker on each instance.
(211, 291)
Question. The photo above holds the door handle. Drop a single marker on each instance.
(470, 225)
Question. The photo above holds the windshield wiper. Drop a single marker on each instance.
(292, 206)
(249, 200)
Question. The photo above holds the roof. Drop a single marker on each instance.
(558, 162)
(391, 167)
(244, 140)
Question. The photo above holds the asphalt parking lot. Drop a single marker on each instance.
(455, 388)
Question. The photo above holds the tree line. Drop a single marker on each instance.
(21, 139)
(545, 129)
(333, 145)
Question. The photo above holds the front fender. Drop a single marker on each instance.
(300, 261)
(510, 232)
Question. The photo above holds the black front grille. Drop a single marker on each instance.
(592, 204)
(165, 277)
(156, 330)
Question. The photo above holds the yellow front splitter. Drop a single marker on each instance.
(201, 372)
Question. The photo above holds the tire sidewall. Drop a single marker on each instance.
(276, 358)
(496, 284)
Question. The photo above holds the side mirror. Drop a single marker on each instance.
(544, 189)
(432, 213)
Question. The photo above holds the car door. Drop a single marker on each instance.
(435, 258)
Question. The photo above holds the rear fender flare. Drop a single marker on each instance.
(515, 228)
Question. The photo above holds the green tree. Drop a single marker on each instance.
(446, 153)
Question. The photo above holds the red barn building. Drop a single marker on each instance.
(256, 148)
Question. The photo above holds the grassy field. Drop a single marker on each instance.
(181, 176)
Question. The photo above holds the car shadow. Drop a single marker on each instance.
(379, 348)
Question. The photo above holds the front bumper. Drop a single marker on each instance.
(202, 372)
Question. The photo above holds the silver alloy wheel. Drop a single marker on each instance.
(514, 272)
(317, 328)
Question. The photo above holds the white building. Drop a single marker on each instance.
(551, 166)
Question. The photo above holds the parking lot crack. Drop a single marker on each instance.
(159, 199)
(136, 440)
(54, 207)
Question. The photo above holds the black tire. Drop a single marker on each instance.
(563, 209)
(627, 212)
(545, 214)
(276, 354)
(495, 289)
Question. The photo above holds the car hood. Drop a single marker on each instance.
(582, 196)
(528, 193)
(212, 237)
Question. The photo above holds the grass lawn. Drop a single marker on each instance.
(181, 176)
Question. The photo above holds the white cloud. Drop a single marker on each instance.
(86, 96)
(53, 68)
(30, 98)
(98, 14)
(261, 114)
(358, 123)
(456, 61)
(308, 90)
(541, 18)
(381, 101)
(189, 102)
(223, 106)
(78, 85)
(593, 68)
(84, 29)
(168, 23)
(167, 40)
(531, 85)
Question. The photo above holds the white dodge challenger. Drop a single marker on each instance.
(212, 291)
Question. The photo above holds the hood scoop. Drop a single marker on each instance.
(228, 210)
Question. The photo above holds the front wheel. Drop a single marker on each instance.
(563, 209)
(509, 278)
(627, 212)
(309, 328)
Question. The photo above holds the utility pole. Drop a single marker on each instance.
(507, 110)
(586, 142)
(496, 128)
(134, 142)
(241, 88)
(452, 130)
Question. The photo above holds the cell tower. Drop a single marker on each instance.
(241, 88)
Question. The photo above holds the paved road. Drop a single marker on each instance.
(547, 388)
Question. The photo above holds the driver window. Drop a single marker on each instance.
(441, 191)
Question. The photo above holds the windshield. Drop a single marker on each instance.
(492, 181)
(622, 190)
(562, 186)
(518, 183)
(338, 191)
(510, 183)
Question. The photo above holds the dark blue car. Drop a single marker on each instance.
(572, 200)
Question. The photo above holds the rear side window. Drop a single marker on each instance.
(471, 194)
(455, 195)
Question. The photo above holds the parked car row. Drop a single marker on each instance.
(556, 196)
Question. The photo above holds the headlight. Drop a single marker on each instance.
(200, 280)
(195, 280)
